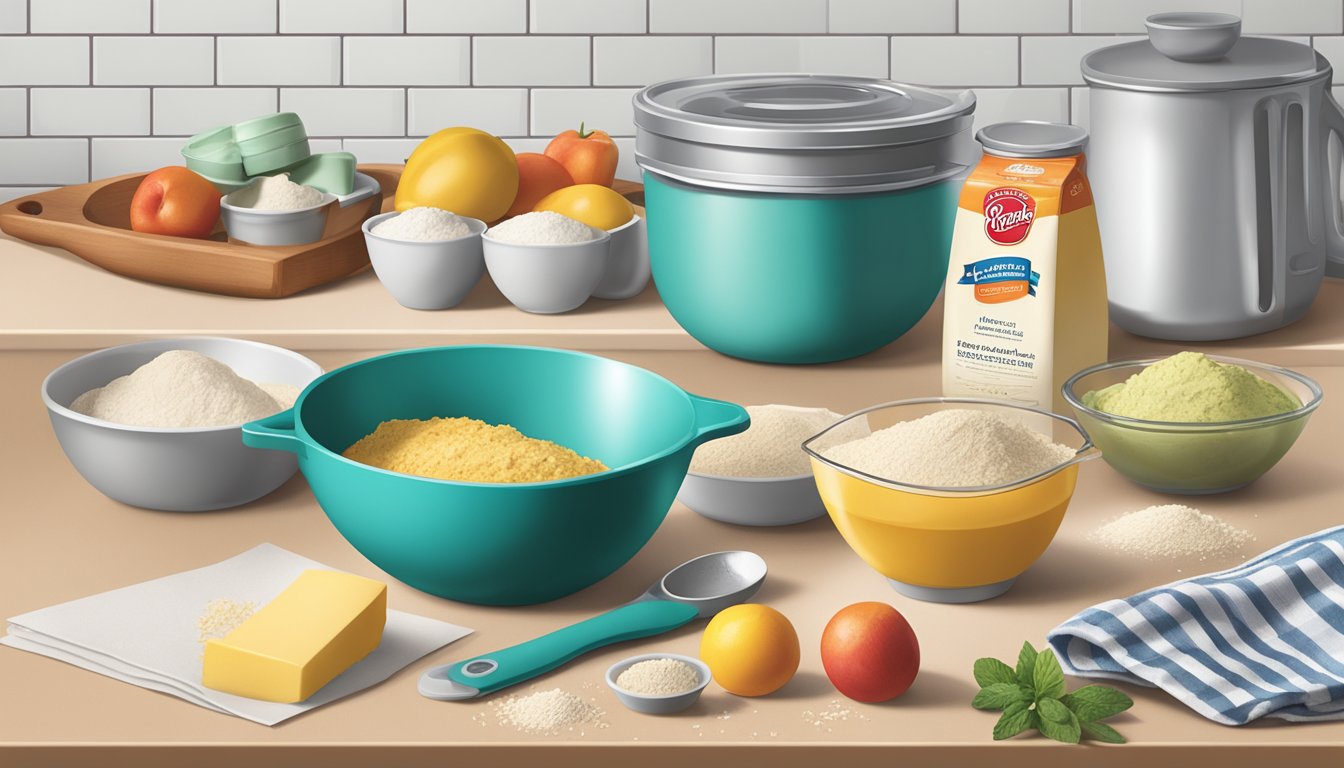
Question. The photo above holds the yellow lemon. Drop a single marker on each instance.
(463, 170)
(751, 649)
(593, 204)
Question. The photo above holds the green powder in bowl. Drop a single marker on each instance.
(1191, 423)
(1190, 387)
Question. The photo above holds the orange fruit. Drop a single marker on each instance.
(751, 649)
(538, 176)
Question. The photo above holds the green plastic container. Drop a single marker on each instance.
(500, 544)
(798, 278)
(800, 218)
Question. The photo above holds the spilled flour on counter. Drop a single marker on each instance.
(548, 712)
(220, 618)
(1171, 531)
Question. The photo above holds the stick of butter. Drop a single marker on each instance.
(320, 626)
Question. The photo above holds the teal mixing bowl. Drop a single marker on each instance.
(798, 278)
(500, 543)
(800, 218)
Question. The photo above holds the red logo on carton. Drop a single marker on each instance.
(1009, 213)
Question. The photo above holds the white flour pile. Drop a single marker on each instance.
(423, 224)
(772, 445)
(181, 388)
(276, 193)
(955, 448)
(659, 677)
(547, 712)
(1171, 531)
(543, 228)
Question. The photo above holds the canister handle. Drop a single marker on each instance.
(1334, 223)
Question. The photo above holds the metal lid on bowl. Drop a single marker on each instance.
(1032, 138)
(802, 133)
(1201, 52)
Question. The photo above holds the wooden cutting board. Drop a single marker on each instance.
(92, 221)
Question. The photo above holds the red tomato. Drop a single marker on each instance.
(869, 652)
(175, 201)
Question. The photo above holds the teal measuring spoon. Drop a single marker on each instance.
(695, 589)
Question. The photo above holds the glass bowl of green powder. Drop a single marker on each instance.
(1192, 423)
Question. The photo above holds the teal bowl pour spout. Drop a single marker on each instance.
(500, 543)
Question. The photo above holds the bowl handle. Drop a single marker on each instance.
(274, 433)
(716, 418)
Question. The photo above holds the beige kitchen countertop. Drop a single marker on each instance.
(60, 539)
(52, 299)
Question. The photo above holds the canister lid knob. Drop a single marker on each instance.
(1192, 35)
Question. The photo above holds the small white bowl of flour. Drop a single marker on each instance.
(273, 210)
(762, 477)
(158, 424)
(427, 258)
(546, 263)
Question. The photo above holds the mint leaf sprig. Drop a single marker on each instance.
(1033, 697)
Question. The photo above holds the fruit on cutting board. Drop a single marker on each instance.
(538, 176)
(319, 626)
(593, 204)
(175, 201)
(463, 170)
(870, 652)
(751, 649)
(589, 156)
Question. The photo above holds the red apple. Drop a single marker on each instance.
(869, 652)
(175, 201)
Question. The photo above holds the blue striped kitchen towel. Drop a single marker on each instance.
(1263, 639)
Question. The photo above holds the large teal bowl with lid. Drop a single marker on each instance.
(500, 543)
(800, 218)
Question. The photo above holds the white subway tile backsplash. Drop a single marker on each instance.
(13, 112)
(895, 17)
(587, 16)
(954, 61)
(14, 193)
(1128, 15)
(44, 61)
(113, 157)
(1279, 17)
(866, 56)
(1057, 60)
(999, 17)
(738, 16)
(501, 111)
(213, 17)
(530, 61)
(1332, 48)
(645, 60)
(380, 150)
(84, 111)
(560, 109)
(44, 161)
(279, 60)
(90, 16)
(461, 17)
(1079, 101)
(185, 111)
(13, 17)
(403, 60)
(339, 16)
(348, 111)
(997, 105)
(153, 61)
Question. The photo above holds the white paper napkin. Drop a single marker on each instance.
(147, 634)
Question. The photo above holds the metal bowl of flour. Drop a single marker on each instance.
(181, 470)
